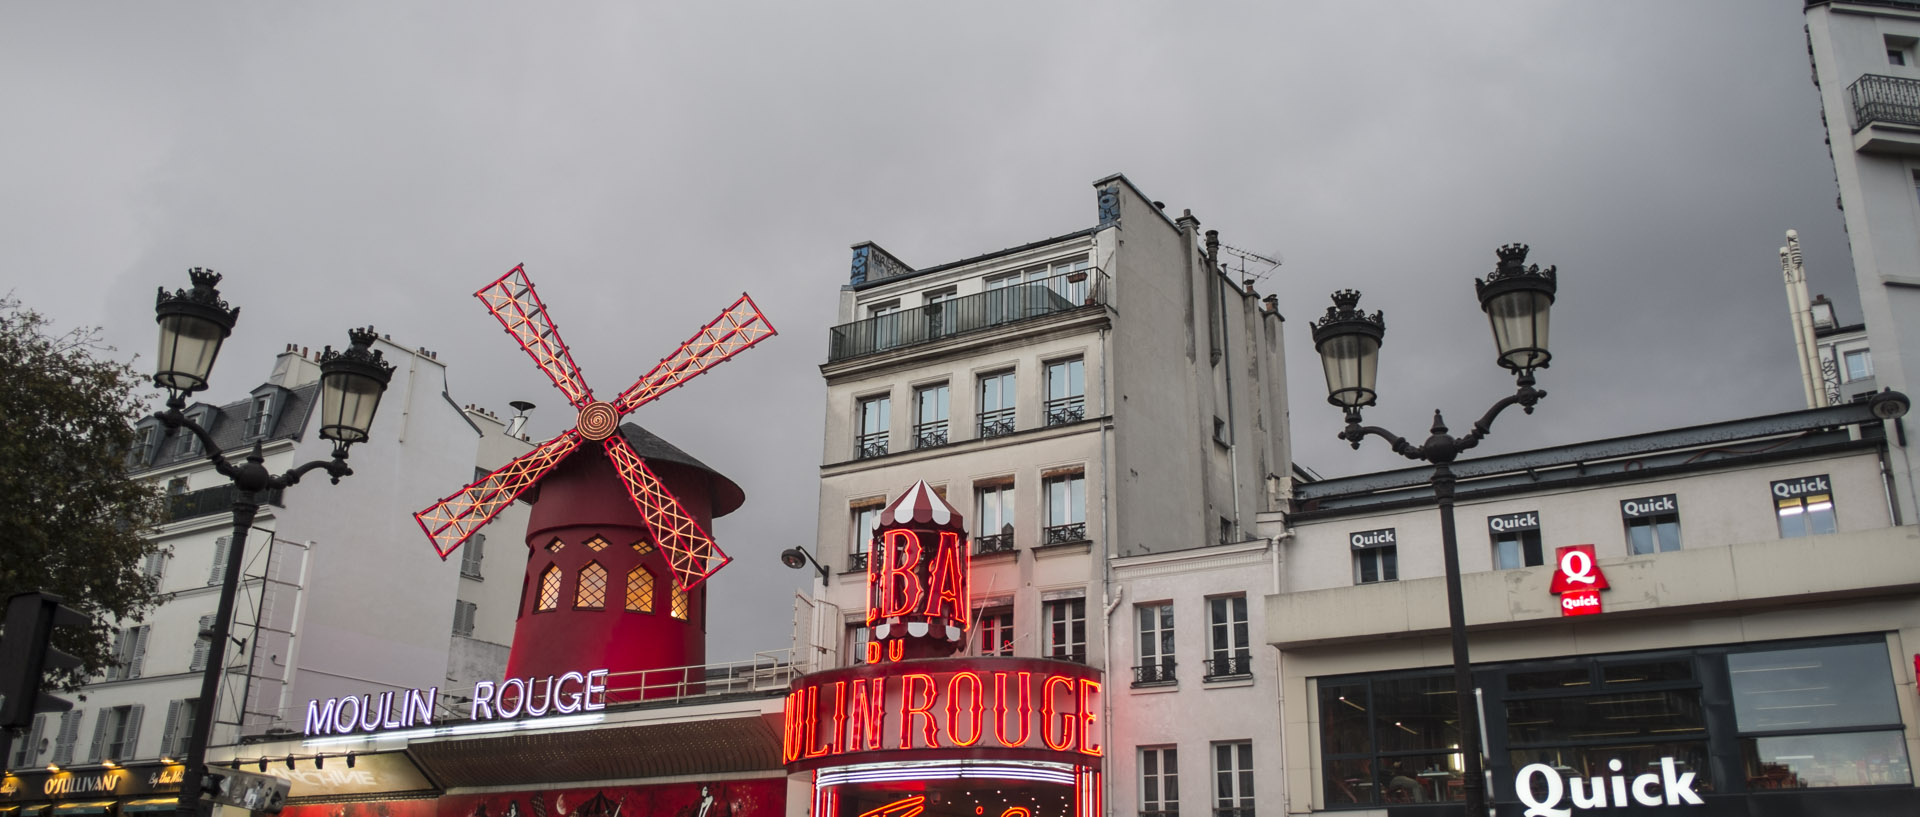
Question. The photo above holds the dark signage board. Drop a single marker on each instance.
(1368, 539)
(1649, 506)
(1801, 486)
(1513, 522)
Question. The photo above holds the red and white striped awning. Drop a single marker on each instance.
(919, 506)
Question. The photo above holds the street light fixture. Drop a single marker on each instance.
(797, 557)
(193, 324)
(1517, 299)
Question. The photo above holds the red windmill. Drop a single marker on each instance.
(663, 520)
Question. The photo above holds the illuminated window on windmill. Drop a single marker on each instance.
(591, 593)
(643, 547)
(549, 589)
(639, 591)
(596, 544)
(555, 545)
(682, 608)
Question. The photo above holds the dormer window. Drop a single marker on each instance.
(260, 421)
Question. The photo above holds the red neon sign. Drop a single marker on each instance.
(1033, 705)
(1577, 580)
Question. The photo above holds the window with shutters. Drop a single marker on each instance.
(129, 653)
(27, 752)
(117, 671)
(69, 734)
(639, 590)
(470, 557)
(549, 589)
(682, 607)
(179, 728)
(202, 644)
(155, 565)
(590, 592)
(116, 733)
(463, 613)
(218, 570)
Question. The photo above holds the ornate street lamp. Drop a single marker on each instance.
(193, 324)
(1517, 299)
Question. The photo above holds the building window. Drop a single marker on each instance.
(129, 653)
(69, 734)
(996, 404)
(639, 590)
(1818, 717)
(471, 554)
(116, 733)
(864, 518)
(217, 571)
(1858, 364)
(1156, 645)
(1066, 509)
(1066, 392)
(1376, 564)
(549, 598)
(1895, 57)
(201, 646)
(680, 606)
(996, 631)
(178, 728)
(1066, 621)
(995, 519)
(261, 420)
(856, 644)
(1516, 540)
(27, 752)
(872, 421)
(643, 547)
(885, 320)
(595, 544)
(556, 545)
(1390, 740)
(930, 416)
(463, 613)
(1159, 781)
(1653, 524)
(1233, 779)
(1804, 506)
(1229, 645)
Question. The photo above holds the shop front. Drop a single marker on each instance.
(113, 791)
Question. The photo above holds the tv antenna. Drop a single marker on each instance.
(1262, 265)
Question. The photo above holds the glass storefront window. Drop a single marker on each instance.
(1415, 714)
(1343, 719)
(1813, 688)
(1822, 761)
(1647, 672)
(1553, 680)
(1610, 717)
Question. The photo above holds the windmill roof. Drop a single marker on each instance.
(726, 494)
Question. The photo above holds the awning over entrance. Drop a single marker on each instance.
(646, 750)
(150, 806)
(66, 809)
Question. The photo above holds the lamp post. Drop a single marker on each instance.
(1516, 298)
(193, 325)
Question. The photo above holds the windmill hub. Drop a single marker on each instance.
(598, 420)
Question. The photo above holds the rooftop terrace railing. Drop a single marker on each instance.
(972, 313)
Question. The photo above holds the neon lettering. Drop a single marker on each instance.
(1089, 715)
(596, 682)
(320, 717)
(1000, 709)
(973, 709)
(923, 709)
(868, 711)
(835, 744)
(897, 586)
(814, 749)
(947, 581)
(482, 701)
(519, 700)
(1067, 732)
(568, 701)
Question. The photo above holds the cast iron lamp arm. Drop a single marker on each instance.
(253, 476)
(1440, 448)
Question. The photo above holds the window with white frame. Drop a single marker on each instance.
(1066, 623)
(930, 416)
(1066, 391)
(872, 422)
(260, 421)
(996, 404)
(996, 631)
(1066, 508)
(995, 519)
(1229, 644)
(1857, 364)
(860, 540)
(1233, 779)
(1804, 506)
(1159, 781)
(856, 642)
(1155, 644)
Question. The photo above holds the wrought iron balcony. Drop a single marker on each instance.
(870, 446)
(973, 313)
(996, 423)
(930, 435)
(857, 561)
(1076, 656)
(1884, 99)
(1066, 410)
(1065, 534)
(1237, 665)
(993, 543)
(209, 501)
(1159, 673)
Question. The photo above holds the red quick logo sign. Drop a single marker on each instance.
(1577, 580)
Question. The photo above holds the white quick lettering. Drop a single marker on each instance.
(1514, 521)
(1584, 793)
(1372, 538)
(1652, 504)
(1578, 602)
(1790, 488)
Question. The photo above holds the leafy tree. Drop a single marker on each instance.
(71, 521)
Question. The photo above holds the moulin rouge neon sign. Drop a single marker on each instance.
(565, 693)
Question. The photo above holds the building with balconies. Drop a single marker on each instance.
(1107, 407)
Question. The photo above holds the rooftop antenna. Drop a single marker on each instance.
(1263, 266)
(516, 427)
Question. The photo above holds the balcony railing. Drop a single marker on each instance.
(1878, 98)
(870, 446)
(857, 561)
(1222, 811)
(993, 543)
(1066, 410)
(996, 423)
(1234, 666)
(972, 313)
(1065, 534)
(1158, 673)
(209, 501)
(1078, 656)
(930, 435)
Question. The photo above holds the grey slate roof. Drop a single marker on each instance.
(228, 426)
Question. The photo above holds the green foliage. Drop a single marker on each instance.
(71, 521)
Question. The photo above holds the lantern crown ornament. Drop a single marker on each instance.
(1348, 341)
(193, 324)
(511, 299)
(918, 599)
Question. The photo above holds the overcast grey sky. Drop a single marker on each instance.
(347, 164)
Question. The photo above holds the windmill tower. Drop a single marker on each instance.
(617, 542)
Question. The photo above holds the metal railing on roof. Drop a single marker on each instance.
(973, 313)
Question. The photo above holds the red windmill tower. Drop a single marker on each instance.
(618, 543)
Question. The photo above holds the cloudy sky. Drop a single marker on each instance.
(369, 163)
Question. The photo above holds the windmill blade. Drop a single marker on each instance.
(738, 327)
(450, 521)
(690, 552)
(513, 302)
